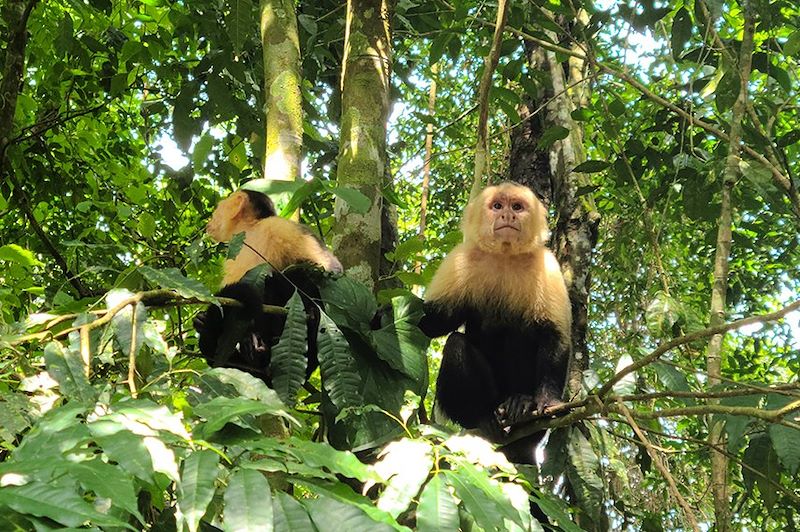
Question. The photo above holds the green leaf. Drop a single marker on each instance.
(146, 224)
(551, 135)
(348, 302)
(672, 379)
(485, 510)
(319, 455)
(357, 201)
(556, 510)
(337, 507)
(405, 464)
(785, 440)
(220, 410)
(125, 448)
(583, 472)
(57, 502)
(127, 324)
(289, 359)
(173, 279)
(183, 123)
(20, 255)
(201, 150)
(340, 377)
(681, 31)
(68, 369)
(408, 249)
(437, 510)
(235, 245)
(787, 139)
(792, 46)
(736, 426)
(290, 515)
(239, 22)
(727, 91)
(106, 481)
(591, 166)
(400, 343)
(196, 487)
(248, 502)
(661, 314)
(761, 457)
(627, 384)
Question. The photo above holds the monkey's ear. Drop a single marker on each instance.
(238, 205)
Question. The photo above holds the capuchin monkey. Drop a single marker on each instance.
(506, 288)
(242, 337)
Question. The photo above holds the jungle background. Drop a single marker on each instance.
(664, 137)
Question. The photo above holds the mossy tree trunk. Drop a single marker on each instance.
(282, 97)
(362, 145)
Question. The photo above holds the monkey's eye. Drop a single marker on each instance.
(517, 206)
(497, 205)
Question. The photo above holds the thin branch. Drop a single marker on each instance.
(25, 206)
(152, 298)
(482, 156)
(691, 337)
(673, 488)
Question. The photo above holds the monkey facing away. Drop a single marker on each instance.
(243, 337)
(507, 289)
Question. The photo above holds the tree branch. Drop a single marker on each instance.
(673, 488)
(482, 145)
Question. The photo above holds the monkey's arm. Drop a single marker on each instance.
(439, 319)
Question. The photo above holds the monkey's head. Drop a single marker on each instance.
(236, 212)
(505, 218)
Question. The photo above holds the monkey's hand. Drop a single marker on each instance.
(515, 409)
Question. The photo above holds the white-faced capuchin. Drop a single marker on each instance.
(243, 337)
(507, 289)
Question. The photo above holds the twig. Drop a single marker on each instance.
(673, 488)
(152, 298)
(482, 145)
(691, 337)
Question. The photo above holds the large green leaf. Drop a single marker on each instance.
(584, 474)
(106, 480)
(785, 440)
(289, 515)
(289, 360)
(681, 31)
(248, 502)
(437, 510)
(405, 464)
(352, 509)
(340, 376)
(68, 369)
(57, 502)
(239, 22)
(221, 410)
(196, 487)
(173, 279)
(761, 457)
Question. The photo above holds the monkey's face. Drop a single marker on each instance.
(506, 218)
(225, 218)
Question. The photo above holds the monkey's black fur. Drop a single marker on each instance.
(243, 337)
(499, 372)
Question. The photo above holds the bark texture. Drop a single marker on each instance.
(716, 437)
(283, 100)
(362, 146)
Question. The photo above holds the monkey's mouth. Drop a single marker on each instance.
(504, 227)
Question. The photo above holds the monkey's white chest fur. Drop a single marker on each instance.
(529, 285)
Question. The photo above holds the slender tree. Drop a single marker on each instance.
(362, 145)
(283, 100)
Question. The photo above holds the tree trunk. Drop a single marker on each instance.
(283, 101)
(362, 146)
(716, 436)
